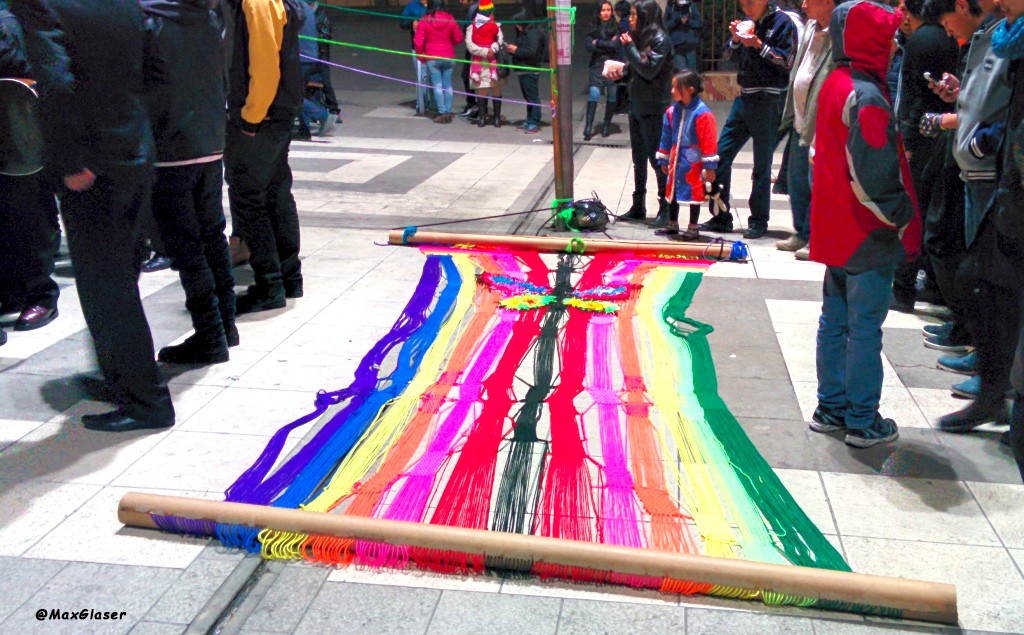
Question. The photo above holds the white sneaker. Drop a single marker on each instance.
(804, 253)
(793, 243)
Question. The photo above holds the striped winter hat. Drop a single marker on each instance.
(486, 6)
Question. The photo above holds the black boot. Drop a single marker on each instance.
(606, 127)
(208, 345)
(588, 128)
(720, 222)
(638, 212)
(481, 116)
(497, 113)
(661, 220)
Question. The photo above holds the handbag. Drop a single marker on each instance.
(503, 58)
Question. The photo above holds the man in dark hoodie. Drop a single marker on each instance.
(187, 115)
(864, 226)
(89, 58)
(528, 50)
(264, 92)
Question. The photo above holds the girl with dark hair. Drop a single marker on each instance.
(436, 37)
(603, 43)
(688, 152)
(648, 52)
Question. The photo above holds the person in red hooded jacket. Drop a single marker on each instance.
(866, 225)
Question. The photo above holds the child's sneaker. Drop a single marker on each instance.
(881, 430)
(827, 419)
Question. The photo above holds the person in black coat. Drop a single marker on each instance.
(648, 53)
(683, 23)
(528, 50)
(187, 114)
(603, 43)
(100, 149)
(28, 210)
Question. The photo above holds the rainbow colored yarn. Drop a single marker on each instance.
(563, 396)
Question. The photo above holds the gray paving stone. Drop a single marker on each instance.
(790, 290)
(157, 628)
(22, 398)
(915, 364)
(494, 613)
(22, 577)
(760, 398)
(283, 606)
(368, 609)
(711, 622)
(197, 583)
(102, 587)
(580, 617)
(753, 362)
(830, 627)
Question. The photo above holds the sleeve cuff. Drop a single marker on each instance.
(765, 51)
(248, 127)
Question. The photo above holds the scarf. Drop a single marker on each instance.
(1008, 40)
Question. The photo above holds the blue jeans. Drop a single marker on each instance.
(799, 183)
(849, 345)
(440, 73)
(754, 117)
(608, 86)
(529, 83)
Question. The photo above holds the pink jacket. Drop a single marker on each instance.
(437, 35)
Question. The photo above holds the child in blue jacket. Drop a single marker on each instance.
(688, 152)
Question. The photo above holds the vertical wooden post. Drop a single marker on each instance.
(560, 52)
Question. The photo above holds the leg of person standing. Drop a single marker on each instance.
(468, 111)
(644, 136)
(735, 134)
(529, 83)
(28, 224)
(284, 221)
(445, 100)
(799, 185)
(209, 206)
(609, 108)
(1015, 437)
(254, 173)
(763, 121)
(174, 206)
(102, 231)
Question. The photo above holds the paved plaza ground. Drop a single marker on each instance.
(931, 506)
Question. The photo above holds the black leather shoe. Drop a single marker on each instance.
(721, 222)
(293, 290)
(254, 302)
(975, 415)
(755, 231)
(119, 421)
(195, 350)
(35, 317)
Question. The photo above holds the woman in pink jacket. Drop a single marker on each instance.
(436, 36)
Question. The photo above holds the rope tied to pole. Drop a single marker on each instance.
(576, 246)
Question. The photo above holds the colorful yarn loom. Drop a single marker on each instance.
(578, 404)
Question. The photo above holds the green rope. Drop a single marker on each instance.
(576, 245)
(799, 539)
(403, 17)
(377, 49)
(571, 10)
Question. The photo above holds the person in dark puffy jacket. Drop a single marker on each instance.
(683, 23)
(187, 115)
(603, 43)
(648, 53)
(529, 50)
(865, 225)
(436, 36)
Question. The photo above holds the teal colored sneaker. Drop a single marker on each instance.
(963, 365)
(827, 419)
(881, 430)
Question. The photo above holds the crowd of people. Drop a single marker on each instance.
(901, 128)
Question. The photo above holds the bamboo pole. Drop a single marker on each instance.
(929, 601)
(718, 251)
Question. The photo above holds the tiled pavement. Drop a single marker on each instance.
(931, 506)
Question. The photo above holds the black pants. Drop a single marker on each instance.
(103, 236)
(470, 98)
(529, 83)
(262, 206)
(330, 99)
(944, 236)
(644, 137)
(991, 301)
(1017, 419)
(28, 227)
(188, 209)
(753, 117)
(925, 168)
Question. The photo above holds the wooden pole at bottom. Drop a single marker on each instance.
(930, 601)
(716, 251)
